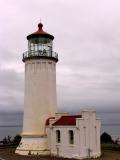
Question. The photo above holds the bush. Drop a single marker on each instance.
(106, 138)
(7, 140)
(16, 139)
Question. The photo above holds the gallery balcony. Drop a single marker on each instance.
(45, 54)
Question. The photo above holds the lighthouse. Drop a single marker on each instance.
(40, 102)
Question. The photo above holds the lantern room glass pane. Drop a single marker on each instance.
(40, 45)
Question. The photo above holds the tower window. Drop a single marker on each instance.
(58, 137)
(71, 137)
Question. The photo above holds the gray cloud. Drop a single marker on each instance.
(11, 90)
(87, 38)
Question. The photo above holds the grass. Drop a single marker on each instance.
(111, 147)
(108, 153)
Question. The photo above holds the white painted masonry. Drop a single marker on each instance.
(86, 137)
(40, 93)
(40, 103)
(44, 132)
(40, 100)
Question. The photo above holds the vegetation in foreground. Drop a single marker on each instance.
(110, 150)
(8, 154)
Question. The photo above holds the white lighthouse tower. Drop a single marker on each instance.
(40, 101)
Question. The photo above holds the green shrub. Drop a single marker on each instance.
(106, 138)
(16, 139)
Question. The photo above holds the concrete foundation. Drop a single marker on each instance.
(33, 146)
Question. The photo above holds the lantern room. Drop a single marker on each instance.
(40, 45)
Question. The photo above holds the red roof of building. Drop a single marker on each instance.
(67, 120)
(40, 33)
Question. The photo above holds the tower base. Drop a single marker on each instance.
(33, 146)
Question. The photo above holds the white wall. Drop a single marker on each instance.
(40, 103)
(40, 95)
(86, 136)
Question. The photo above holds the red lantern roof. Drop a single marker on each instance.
(40, 33)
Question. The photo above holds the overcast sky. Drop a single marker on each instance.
(87, 39)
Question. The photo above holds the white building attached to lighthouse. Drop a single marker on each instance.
(74, 136)
(45, 131)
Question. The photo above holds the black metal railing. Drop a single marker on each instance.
(40, 53)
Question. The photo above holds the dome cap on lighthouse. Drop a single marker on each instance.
(40, 33)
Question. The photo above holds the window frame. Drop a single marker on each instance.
(58, 136)
(71, 136)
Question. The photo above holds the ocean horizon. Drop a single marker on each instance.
(13, 130)
(11, 124)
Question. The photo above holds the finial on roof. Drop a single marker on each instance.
(40, 25)
(40, 33)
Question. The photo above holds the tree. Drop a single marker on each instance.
(4, 141)
(7, 140)
(106, 138)
(16, 139)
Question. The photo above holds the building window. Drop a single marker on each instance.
(58, 136)
(84, 132)
(95, 136)
(71, 137)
